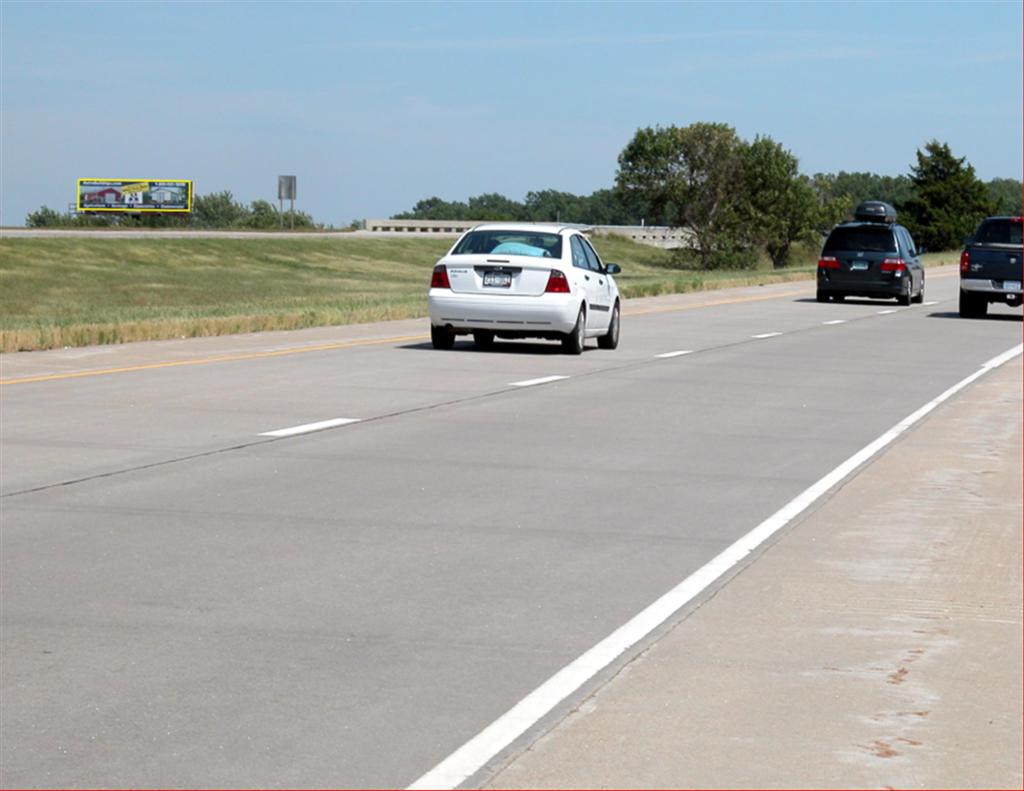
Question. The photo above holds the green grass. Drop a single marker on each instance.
(83, 291)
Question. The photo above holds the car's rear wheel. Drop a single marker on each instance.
(971, 306)
(573, 342)
(821, 296)
(610, 339)
(442, 337)
(908, 294)
(484, 339)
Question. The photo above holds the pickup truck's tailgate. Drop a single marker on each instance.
(995, 262)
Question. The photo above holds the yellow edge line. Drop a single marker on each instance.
(351, 344)
(207, 360)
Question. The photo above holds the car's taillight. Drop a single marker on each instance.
(828, 262)
(557, 283)
(440, 277)
(893, 265)
(965, 261)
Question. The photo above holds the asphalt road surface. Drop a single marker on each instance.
(188, 600)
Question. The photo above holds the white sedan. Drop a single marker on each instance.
(526, 280)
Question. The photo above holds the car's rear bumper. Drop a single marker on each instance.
(540, 315)
(994, 289)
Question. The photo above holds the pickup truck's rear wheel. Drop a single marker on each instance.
(972, 306)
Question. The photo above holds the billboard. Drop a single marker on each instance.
(135, 195)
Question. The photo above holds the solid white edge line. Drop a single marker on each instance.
(541, 381)
(886, 312)
(308, 427)
(666, 355)
(834, 321)
(935, 302)
(766, 335)
(474, 754)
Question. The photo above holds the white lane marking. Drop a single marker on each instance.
(541, 381)
(474, 754)
(884, 312)
(935, 302)
(307, 427)
(835, 321)
(766, 335)
(666, 355)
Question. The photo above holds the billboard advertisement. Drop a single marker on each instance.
(135, 195)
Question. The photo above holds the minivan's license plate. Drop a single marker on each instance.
(1011, 285)
(857, 265)
(497, 279)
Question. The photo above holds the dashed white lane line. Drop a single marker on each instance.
(680, 353)
(543, 380)
(934, 302)
(885, 312)
(474, 754)
(766, 335)
(834, 321)
(308, 427)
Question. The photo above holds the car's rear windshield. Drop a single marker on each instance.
(864, 237)
(546, 245)
(1001, 231)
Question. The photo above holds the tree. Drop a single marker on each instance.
(218, 210)
(689, 175)
(1005, 195)
(45, 217)
(950, 200)
(781, 207)
(867, 186)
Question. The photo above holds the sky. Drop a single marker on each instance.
(374, 106)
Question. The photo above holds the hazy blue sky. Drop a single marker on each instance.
(376, 105)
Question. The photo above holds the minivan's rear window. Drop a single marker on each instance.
(547, 245)
(1001, 231)
(866, 238)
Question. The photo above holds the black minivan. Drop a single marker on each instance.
(871, 257)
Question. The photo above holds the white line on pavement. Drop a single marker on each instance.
(884, 312)
(541, 381)
(766, 335)
(306, 428)
(666, 355)
(835, 321)
(474, 754)
(934, 302)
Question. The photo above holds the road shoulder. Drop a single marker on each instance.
(878, 643)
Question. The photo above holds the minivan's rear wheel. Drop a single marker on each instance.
(821, 296)
(573, 342)
(484, 339)
(920, 294)
(442, 337)
(610, 340)
(904, 298)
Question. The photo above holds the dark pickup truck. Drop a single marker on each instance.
(991, 268)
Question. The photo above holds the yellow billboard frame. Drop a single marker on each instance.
(127, 210)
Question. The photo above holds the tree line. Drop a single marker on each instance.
(215, 210)
(739, 197)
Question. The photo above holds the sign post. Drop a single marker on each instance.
(286, 191)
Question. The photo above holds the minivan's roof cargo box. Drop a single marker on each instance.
(875, 211)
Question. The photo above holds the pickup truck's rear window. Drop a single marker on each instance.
(873, 240)
(1002, 231)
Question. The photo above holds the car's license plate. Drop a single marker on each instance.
(1011, 285)
(497, 279)
(858, 265)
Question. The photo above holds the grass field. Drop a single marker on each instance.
(82, 291)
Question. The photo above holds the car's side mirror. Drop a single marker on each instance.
(922, 250)
(612, 269)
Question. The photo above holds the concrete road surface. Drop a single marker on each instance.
(190, 600)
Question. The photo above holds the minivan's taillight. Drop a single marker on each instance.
(828, 262)
(440, 277)
(965, 261)
(893, 265)
(557, 283)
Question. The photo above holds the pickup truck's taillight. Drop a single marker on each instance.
(965, 261)
(440, 277)
(557, 283)
(828, 262)
(893, 265)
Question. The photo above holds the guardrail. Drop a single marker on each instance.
(654, 235)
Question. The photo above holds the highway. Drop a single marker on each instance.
(200, 588)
